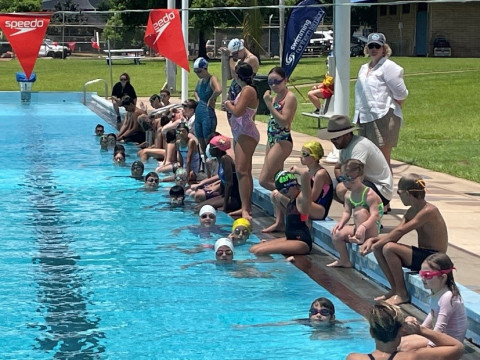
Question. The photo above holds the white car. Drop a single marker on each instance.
(51, 49)
(322, 39)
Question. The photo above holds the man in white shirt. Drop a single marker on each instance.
(377, 172)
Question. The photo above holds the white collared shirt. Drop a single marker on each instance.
(376, 89)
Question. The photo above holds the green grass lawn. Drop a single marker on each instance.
(442, 113)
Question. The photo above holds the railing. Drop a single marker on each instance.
(93, 82)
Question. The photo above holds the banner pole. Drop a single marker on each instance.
(110, 64)
(304, 99)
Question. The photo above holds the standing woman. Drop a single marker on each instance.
(120, 90)
(245, 133)
(207, 90)
(282, 109)
(379, 94)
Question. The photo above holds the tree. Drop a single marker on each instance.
(20, 5)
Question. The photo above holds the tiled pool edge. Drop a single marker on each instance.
(368, 266)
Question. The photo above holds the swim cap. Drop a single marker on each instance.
(316, 149)
(285, 179)
(207, 209)
(235, 45)
(221, 142)
(242, 222)
(222, 242)
(200, 63)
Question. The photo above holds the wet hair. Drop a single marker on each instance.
(139, 164)
(278, 70)
(385, 321)
(353, 166)
(164, 120)
(244, 72)
(182, 126)
(190, 103)
(112, 135)
(325, 303)
(126, 75)
(127, 100)
(414, 184)
(171, 136)
(119, 152)
(176, 191)
(151, 174)
(165, 91)
(119, 147)
(441, 261)
(154, 97)
(99, 126)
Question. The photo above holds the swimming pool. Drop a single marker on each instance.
(89, 271)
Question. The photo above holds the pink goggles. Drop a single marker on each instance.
(431, 274)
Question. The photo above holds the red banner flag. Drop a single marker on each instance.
(164, 34)
(25, 32)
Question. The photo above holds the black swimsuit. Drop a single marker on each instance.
(295, 226)
(389, 358)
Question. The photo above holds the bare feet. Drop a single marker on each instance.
(384, 296)
(274, 227)
(398, 300)
(339, 264)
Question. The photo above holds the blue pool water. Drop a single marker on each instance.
(89, 271)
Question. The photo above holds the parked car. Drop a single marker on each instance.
(357, 45)
(52, 49)
(210, 46)
(322, 39)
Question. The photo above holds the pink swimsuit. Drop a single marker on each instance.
(244, 125)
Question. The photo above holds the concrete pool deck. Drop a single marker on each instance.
(457, 199)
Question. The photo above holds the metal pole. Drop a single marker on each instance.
(110, 64)
(341, 51)
(185, 40)
(171, 68)
(270, 35)
(281, 13)
(63, 35)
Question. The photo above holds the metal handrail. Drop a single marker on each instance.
(93, 82)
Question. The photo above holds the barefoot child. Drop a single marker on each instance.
(431, 229)
(447, 314)
(297, 240)
(367, 209)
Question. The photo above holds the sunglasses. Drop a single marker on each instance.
(153, 180)
(346, 178)
(204, 216)
(274, 81)
(374, 46)
(123, 79)
(197, 71)
(305, 154)
(226, 252)
(431, 274)
(323, 312)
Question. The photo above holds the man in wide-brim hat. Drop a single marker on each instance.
(377, 172)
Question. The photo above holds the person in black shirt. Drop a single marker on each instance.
(120, 90)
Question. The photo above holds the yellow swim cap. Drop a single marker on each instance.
(316, 149)
(242, 222)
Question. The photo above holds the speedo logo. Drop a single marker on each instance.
(161, 25)
(24, 26)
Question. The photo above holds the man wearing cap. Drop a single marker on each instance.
(377, 172)
(238, 52)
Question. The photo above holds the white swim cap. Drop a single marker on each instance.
(223, 242)
(235, 45)
(207, 209)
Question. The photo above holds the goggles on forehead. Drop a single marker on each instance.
(431, 274)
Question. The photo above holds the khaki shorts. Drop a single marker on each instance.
(382, 132)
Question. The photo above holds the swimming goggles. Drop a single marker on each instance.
(305, 154)
(152, 179)
(322, 311)
(275, 81)
(226, 252)
(431, 274)
(239, 231)
(211, 216)
(346, 178)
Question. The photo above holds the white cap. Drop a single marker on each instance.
(209, 209)
(235, 45)
(223, 242)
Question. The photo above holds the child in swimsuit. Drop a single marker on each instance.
(367, 209)
(297, 240)
(447, 314)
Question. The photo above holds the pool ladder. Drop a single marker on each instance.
(93, 82)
